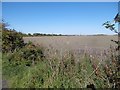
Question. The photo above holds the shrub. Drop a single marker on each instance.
(11, 40)
(28, 55)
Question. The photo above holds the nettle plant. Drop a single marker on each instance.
(114, 78)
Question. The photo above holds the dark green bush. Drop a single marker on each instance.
(28, 55)
(21, 53)
(11, 40)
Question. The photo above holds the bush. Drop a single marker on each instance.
(11, 40)
(28, 55)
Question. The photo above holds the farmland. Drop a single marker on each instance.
(92, 44)
(74, 42)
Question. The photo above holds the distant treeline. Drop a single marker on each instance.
(41, 34)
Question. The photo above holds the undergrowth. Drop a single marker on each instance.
(54, 72)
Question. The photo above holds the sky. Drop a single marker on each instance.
(81, 18)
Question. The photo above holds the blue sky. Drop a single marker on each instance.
(59, 17)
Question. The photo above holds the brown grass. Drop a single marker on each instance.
(74, 42)
(97, 47)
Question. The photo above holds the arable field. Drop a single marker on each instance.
(74, 42)
(56, 46)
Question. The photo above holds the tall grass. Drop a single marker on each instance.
(59, 69)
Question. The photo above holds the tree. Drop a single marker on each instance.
(29, 34)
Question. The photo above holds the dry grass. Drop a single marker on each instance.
(96, 46)
(74, 42)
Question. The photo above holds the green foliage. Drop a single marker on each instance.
(29, 34)
(110, 26)
(40, 34)
(52, 73)
(11, 40)
(21, 76)
(29, 55)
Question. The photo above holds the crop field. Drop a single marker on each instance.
(97, 47)
(93, 44)
(74, 42)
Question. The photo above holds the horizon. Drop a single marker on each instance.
(66, 18)
(114, 34)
